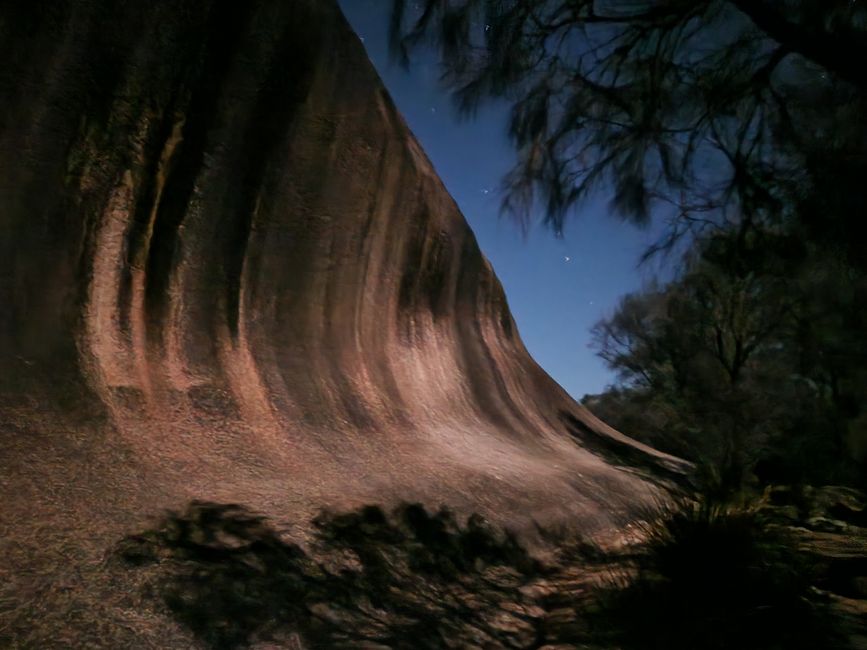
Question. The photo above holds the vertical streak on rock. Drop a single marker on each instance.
(137, 316)
(226, 27)
(102, 340)
(237, 360)
(284, 89)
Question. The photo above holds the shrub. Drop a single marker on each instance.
(716, 577)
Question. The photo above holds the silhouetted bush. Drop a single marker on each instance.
(716, 577)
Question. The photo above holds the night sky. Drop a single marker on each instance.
(557, 288)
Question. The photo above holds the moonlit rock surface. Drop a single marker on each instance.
(229, 272)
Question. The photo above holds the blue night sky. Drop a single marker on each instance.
(557, 288)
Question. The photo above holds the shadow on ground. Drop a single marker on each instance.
(414, 579)
(408, 580)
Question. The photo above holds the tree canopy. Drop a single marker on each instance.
(710, 112)
(757, 366)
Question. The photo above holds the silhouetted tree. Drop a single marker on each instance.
(743, 358)
(727, 111)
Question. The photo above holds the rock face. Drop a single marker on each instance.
(228, 271)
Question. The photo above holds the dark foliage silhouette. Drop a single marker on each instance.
(750, 361)
(705, 577)
(717, 577)
(713, 113)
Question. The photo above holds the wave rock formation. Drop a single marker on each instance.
(229, 272)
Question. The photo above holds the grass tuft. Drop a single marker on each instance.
(717, 577)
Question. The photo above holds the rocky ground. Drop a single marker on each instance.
(415, 579)
(830, 526)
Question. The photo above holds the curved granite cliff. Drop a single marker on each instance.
(228, 272)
